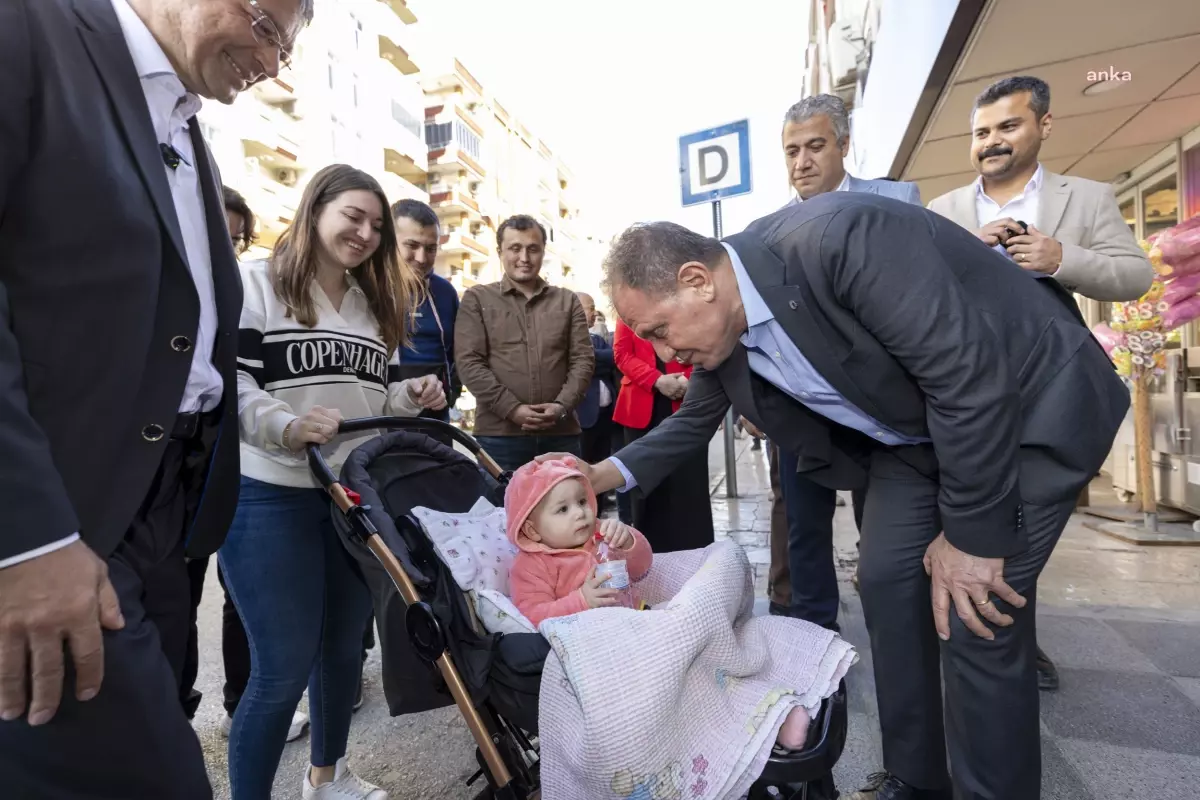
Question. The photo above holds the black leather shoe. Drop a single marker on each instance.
(1047, 673)
(776, 610)
(885, 786)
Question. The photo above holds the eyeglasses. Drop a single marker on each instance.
(266, 32)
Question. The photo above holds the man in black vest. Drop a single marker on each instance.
(118, 387)
(878, 339)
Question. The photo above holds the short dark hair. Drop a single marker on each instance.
(415, 210)
(1039, 94)
(519, 222)
(648, 255)
(236, 204)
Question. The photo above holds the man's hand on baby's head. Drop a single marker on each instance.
(617, 534)
(593, 595)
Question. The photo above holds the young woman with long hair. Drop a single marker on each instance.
(323, 319)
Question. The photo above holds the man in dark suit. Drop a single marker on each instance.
(118, 398)
(881, 341)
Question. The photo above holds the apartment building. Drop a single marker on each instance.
(484, 166)
(351, 96)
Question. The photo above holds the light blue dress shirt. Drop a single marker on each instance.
(774, 357)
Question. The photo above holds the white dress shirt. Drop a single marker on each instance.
(1023, 207)
(171, 107)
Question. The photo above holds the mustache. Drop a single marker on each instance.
(995, 151)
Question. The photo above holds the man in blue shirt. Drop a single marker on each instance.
(431, 349)
(888, 348)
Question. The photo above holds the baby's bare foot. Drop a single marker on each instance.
(794, 732)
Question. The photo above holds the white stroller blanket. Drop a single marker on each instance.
(684, 700)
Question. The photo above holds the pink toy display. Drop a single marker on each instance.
(1107, 337)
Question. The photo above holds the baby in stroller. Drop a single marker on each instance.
(551, 520)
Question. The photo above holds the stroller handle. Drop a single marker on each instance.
(324, 475)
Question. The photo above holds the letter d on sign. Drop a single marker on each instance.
(719, 152)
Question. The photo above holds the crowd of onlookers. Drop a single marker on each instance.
(157, 397)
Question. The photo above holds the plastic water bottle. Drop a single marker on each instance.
(616, 570)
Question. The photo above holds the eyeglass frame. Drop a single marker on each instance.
(272, 36)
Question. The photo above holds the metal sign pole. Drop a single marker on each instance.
(731, 488)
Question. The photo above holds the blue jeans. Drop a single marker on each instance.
(511, 452)
(305, 607)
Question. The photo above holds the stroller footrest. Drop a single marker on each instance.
(817, 760)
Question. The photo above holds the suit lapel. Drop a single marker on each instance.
(1052, 203)
(793, 307)
(962, 207)
(106, 46)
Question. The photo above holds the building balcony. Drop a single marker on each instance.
(454, 201)
(270, 135)
(274, 206)
(451, 157)
(400, 9)
(391, 52)
(456, 79)
(274, 91)
(398, 188)
(404, 166)
(459, 243)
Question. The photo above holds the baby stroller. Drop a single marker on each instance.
(436, 653)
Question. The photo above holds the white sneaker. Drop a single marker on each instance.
(298, 727)
(345, 786)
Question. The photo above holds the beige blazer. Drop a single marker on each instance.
(1101, 258)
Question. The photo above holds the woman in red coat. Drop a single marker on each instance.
(677, 514)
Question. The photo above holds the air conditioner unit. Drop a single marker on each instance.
(286, 176)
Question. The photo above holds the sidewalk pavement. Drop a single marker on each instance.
(1121, 621)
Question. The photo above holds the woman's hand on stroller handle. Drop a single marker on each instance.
(593, 595)
(318, 426)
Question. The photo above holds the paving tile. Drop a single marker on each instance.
(1110, 771)
(1060, 779)
(1124, 709)
(1190, 687)
(1088, 643)
(862, 755)
(1174, 647)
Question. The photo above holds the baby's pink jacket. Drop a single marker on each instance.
(545, 583)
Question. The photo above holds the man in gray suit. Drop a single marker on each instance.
(880, 341)
(816, 141)
(1056, 227)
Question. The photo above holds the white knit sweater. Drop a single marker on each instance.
(284, 369)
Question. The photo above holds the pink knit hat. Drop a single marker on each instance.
(528, 486)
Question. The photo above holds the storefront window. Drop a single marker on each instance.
(1129, 213)
(1160, 205)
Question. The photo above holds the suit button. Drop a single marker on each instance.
(153, 433)
(181, 344)
(793, 305)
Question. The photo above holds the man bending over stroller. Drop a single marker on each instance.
(551, 519)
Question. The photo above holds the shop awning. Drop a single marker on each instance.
(1149, 50)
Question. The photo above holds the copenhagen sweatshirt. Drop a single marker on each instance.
(285, 368)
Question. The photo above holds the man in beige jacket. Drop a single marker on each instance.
(1061, 226)
(1056, 226)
